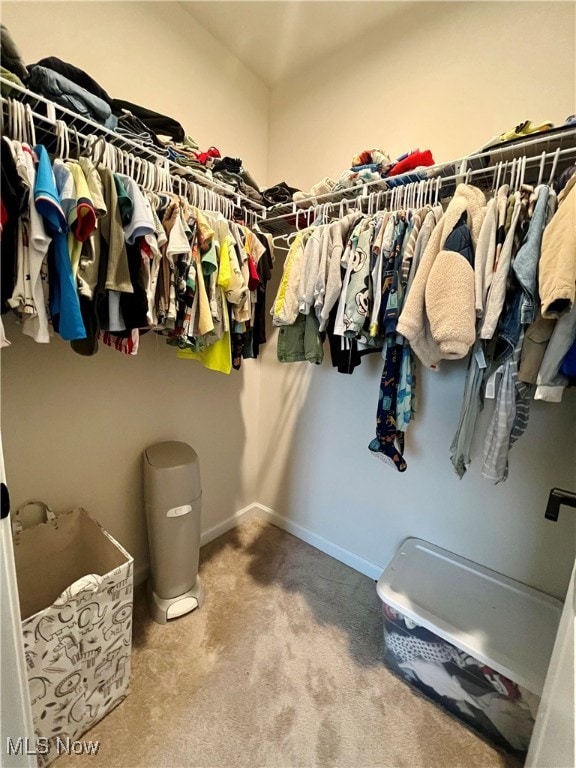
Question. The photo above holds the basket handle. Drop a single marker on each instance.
(19, 516)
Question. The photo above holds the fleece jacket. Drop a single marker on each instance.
(448, 304)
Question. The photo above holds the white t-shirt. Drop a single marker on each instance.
(29, 298)
(37, 326)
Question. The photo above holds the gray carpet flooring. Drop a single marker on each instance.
(281, 668)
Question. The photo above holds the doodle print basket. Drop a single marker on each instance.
(76, 594)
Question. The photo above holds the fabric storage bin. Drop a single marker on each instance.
(75, 586)
(469, 638)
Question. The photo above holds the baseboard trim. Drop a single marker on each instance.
(246, 513)
(142, 572)
(360, 564)
(261, 512)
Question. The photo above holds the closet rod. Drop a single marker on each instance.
(75, 120)
(545, 142)
(448, 183)
(150, 176)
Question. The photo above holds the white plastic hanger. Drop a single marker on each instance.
(512, 175)
(438, 188)
(522, 172)
(541, 170)
(554, 164)
(497, 174)
(31, 126)
(14, 120)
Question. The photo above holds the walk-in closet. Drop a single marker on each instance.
(337, 236)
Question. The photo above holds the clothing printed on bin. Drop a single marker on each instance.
(64, 302)
(407, 648)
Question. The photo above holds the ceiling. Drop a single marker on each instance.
(279, 39)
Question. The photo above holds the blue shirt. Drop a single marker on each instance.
(64, 301)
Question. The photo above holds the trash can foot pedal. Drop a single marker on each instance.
(164, 609)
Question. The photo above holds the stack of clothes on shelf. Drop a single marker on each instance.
(76, 90)
(371, 166)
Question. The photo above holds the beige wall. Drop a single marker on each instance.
(447, 77)
(154, 54)
(74, 428)
(441, 76)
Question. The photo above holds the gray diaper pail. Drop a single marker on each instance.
(172, 498)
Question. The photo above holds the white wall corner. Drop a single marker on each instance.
(246, 513)
(360, 564)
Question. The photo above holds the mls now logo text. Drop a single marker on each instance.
(41, 746)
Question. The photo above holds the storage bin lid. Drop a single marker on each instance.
(501, 622)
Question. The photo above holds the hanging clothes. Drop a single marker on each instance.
(430, 319)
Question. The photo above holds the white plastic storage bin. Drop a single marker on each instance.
(471, 639)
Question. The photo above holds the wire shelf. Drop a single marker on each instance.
(45, 113)
(554, 150)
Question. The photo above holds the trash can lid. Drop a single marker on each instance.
(172, 453)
